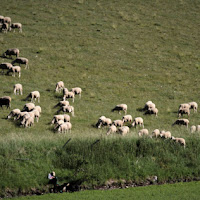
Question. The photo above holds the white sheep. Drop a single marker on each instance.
(59, 86)
(183, 110)
(38, 108)
(15, 69)
(58, 123)
(138, 121)
(152, 111)
(184, 105)
(120, 107)
(34, 96)
(28, 107)
(20, 115)
(123, 130)
(18, 89)
(184, 122)
(103, 121)
(7, 20)
(111, 129)
(193, 105)
(77, 90)
(62, 103)
(166, 135)
(127, 118)
(1, 19)
(16, 26)
(156, 133)
(69, 109)
(180, 141)
(149, 105)
(65, 127)
(36, 114)
(198, 128)
(11, 52)
(29, 122)
(5, 66)
(20, 61)
(69, 95)
(193, 129)
(143, 132)
(13, 113)
(118, 122)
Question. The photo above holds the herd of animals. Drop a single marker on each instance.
(30, 112)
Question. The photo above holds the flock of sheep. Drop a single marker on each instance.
(6, 25)
(124, 124)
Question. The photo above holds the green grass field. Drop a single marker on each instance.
(171, 192)
(117, 52)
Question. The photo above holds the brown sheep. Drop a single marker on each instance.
(5, 101)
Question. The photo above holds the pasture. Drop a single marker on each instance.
(117, 52)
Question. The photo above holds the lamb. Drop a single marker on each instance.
(77, 90)
(5, 66)
(120, 107)
(156, 133)
(183, 111)
(13, 113)
(58, 123)
(143, 132)
(194, 106)
(4, 27)
(118, 122)
(15, 69)
(179, 140)
(16, 26)
(184, 122)
(11, 52)
(69, 109)
(138, 121)
(28, 107)
(193, 129)
(34, 96)
(5, 101)
(62, 103)
(18, 89)
(123, 130)
(166, 135)
(149, 105)
(152, 111)
(112, 129)
(65, 127)
(69, 95)
(7, 20)
(127, 118)
(59, 86)
(21, 60)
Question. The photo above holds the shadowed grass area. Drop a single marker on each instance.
(117, 52)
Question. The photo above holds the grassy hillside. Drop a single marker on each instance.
(117, 52)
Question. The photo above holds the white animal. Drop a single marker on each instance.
(166, 135)
(184, 122)
(16, 26)
(11, 52)
(118, 122)
(21, 60)
(143, 132)
(179, 140)
(138, 121)
(194, 106)
(111, 129)
(15, 69)
(13, 113)
(58, 123)
(34, 96)
(28, 107)
(59, 86)
(127, 118)
(77, 90)
(149, 105)
(69, 109)
(193, 129)
(65, 127)
(156, 133)
(7, 20)
(18, 89)
(123, 130)
(5, 66)
(69, 95)
(120, 107)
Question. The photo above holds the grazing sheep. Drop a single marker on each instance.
(20, 61)
(59, 86)
(69, 109)
(7, 20)
(183, 111)
(127, 118)
(16, 26)
(11, 52)
(62, 103)
(15, 69)
(180, 141)
(5, 66)
(138, 121)
(198, 128)
(13, 113)
(194, 106)
(166, 135)
(18, 89)
(56, 118)
(156, 133)
(5, 101)
(193, 129)
(143, 132)
(118, 122)
(184, 122)
(65, 127)
(4, 27)
(58, 123)
(38, 108)
(19, 116)
(36, 114)
(152, 111)
(120, 107)
(149, 105)
(1, 19)
(77, 90)
(112, 129)
(123, 130)
(25, 116)
(28, 107)
(184, 105)
(34, 96)
(29, 122)
(69, 95)
(103, 121)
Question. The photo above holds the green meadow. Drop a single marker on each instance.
(117, 52)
